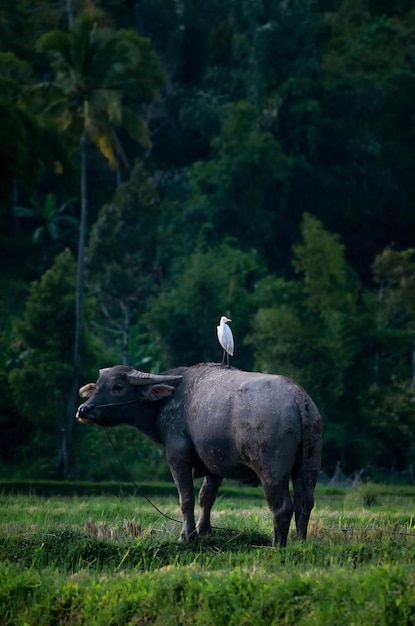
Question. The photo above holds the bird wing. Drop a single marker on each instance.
(226, 338)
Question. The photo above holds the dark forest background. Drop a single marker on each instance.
(163, 163)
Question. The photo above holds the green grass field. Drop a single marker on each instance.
(113, 559)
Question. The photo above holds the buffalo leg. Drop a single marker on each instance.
(207, 497)
(279, 501)
(303, 486)
(184, 483)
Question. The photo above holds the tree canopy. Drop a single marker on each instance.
(248, 159)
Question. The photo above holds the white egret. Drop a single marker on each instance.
(225, 338)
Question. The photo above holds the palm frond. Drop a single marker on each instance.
(135, 126)
(101, 77)
(103, 141)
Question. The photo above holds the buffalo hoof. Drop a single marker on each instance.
(203, 530)
(183, 538)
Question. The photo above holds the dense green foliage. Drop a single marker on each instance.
(253, 159)
(115, 560)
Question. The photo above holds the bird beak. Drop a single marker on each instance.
(228, 320)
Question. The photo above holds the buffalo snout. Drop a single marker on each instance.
(82, 414)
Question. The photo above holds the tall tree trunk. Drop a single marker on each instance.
(413, 367)
(69, 13)
(126, 335)
(379, 330)
(64, 459)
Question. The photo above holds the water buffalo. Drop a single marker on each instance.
(220, 422)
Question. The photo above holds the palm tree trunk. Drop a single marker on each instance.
(126, 334)
(63, 470)
(69, 13)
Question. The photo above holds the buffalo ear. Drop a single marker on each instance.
(157, 392)
(87, 390)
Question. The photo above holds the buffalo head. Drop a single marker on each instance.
(116, 388)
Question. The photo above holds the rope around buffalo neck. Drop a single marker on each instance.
(101, 406)
(172, 519)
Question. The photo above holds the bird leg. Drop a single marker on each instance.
(227, 358)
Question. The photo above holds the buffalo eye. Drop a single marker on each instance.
(117, 387)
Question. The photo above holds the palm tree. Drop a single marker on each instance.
(54, 223)
(101, 79)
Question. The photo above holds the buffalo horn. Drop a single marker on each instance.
(135, 377)
(87, 390)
